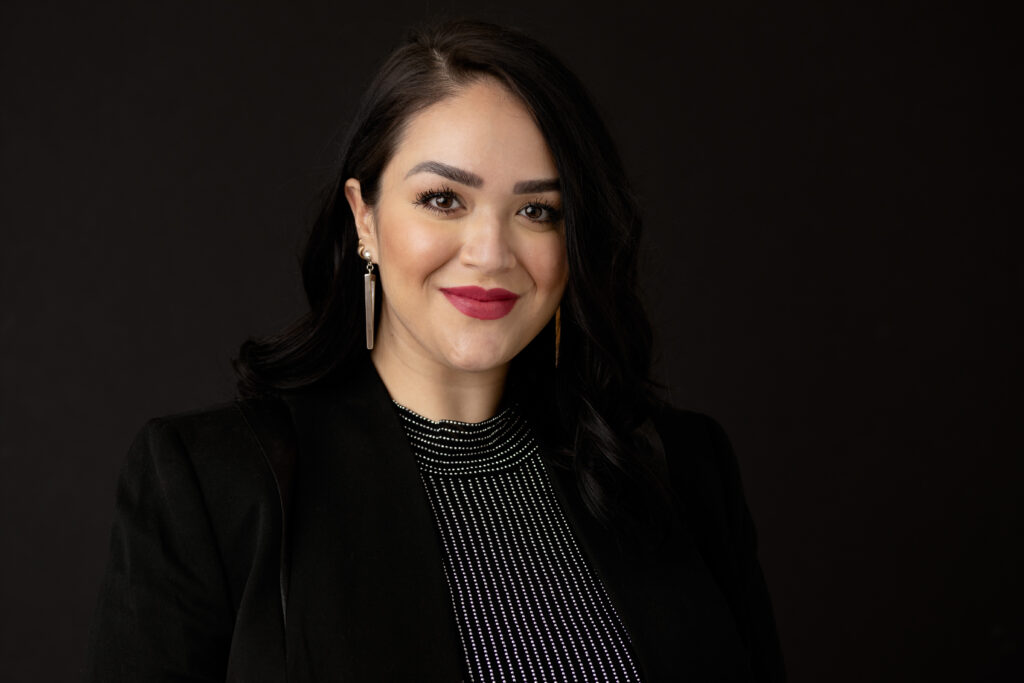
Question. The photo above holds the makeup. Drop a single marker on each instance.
(477, 302)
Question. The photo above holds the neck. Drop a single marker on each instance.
(438, 392)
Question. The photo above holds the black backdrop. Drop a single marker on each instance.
(829, 263)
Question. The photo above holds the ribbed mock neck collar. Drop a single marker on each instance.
(454, 448)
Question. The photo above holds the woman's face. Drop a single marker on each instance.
(467, 232)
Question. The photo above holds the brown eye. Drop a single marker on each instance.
(443, 202)
(540, 213)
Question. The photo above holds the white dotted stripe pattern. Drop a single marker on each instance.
(527, 605)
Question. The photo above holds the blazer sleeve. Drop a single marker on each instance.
(163, 612)
(707, 480)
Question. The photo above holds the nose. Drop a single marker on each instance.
(486, 245)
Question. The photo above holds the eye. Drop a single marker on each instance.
(539, 212)
(441, 201)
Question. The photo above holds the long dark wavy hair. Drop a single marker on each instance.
(590, 408)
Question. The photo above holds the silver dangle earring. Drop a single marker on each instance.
(369, 296)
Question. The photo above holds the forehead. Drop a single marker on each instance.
(482, 128)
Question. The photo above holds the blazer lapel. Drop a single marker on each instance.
(368, 599)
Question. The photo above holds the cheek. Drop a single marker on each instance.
(411, 248)
(548, 263)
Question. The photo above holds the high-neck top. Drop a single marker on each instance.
(526, 602)
(453, 448)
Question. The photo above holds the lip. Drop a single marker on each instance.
(480, 303)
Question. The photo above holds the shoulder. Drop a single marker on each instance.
(703, 470)
(212, 431)
(214, 449)
(200, 428)
(695, 442)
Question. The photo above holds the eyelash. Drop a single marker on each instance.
(423, 199)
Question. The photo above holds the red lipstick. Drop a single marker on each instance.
(477, 302)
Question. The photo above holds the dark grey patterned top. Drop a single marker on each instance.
(527, 605)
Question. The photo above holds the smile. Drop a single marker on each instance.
(477, 302)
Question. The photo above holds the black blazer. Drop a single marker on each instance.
(228, 562)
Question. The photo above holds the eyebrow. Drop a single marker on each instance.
(463, 177)
(533, 186)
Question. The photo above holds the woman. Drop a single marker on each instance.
(493, 491)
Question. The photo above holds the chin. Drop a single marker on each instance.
(478, 357)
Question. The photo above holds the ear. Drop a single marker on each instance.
(363, 215)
